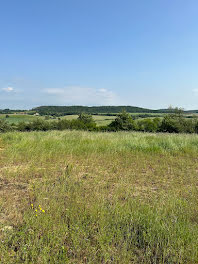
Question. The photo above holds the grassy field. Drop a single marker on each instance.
(100, 120)
(80, 197)
(18, 118)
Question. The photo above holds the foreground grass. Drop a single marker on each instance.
(80, 197)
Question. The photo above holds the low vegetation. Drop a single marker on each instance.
(84, 197)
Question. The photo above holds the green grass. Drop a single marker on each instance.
(108, 197)
(100, 120)
(18, 118)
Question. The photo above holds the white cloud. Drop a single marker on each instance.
(195, 91)
(8, 89)
(54, 91)
(82, 96)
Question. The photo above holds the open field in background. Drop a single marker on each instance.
(19, 118)
(101, 120)
(98, 197)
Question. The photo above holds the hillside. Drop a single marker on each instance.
(65, 110)
(94, 110)
(91, 110)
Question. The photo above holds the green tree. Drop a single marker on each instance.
(123, 121)
(148, 124)
(176, 123)
(85, 121)
(85, 118)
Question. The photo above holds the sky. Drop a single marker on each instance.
(99, 52)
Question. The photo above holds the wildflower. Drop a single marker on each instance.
(36, 215)
(43, 211)
(40, 209)
(32, 205)
(36, 210)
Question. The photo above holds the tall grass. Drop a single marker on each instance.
(107, 198)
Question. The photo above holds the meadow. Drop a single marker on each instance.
(100, 120)
(18, 118)
(86, 197)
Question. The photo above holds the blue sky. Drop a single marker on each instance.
(99, 52)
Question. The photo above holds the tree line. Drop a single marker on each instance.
(170, 123)
(94, 110)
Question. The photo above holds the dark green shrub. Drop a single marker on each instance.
(36, 125)
(123, 121)
(196, 126)
(22, 126)
(177, 123)
(148, 125)
(4, 126)
(86, 120)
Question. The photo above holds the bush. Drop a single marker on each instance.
(86, 120)
(36, 125)
(4, 126)
(177, 123)
(196, 126)
(123, 121)
(148, 125)
(170, 125)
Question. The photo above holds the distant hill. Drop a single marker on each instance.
(71, 110)
(192, 111)
(11, 111)
(94, 110)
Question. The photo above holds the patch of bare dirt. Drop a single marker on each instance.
(12, 195)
